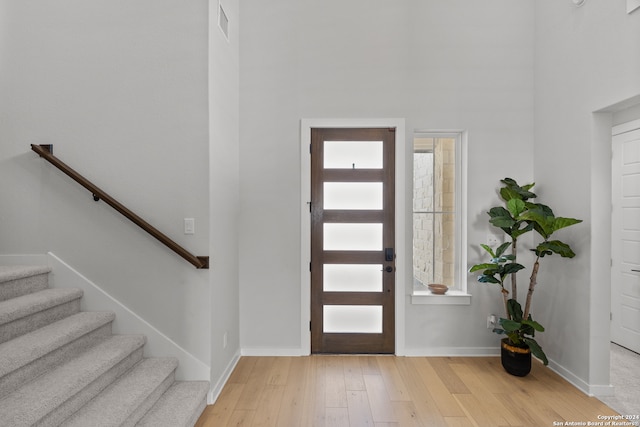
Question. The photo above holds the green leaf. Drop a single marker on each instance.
(502, 222)
(535, 325)
(512, 187)
(507, 193)
(498, 331)
(488, 249)
(503, 247)
(514, 338)
(498, 211)
(481, 267)
(512, 267)
(516, 207)
(509, 182)
(561, 222)
(554, 246)
(510, 325)
(503, 259)
(517, 231)
(542, 222)
(514, 309)
(546, 210)
(500, 217)
(536, 350)
(488, 279)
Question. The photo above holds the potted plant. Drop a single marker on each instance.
(519, 216)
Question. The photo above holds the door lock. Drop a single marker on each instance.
(388, 254)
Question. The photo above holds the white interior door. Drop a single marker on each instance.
(625, 233)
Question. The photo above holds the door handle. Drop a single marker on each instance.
(637, 271)
(388, 269)
(388, 254)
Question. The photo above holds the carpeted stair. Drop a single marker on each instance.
(63, 367)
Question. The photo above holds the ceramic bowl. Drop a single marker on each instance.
(438, 289)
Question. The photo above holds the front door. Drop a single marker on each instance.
(625, 245)
(352, 240)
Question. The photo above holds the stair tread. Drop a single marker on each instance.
(15, 272)
(24, 349)
(26, 305)
(36, 399)
(119, 401)
(178, 405)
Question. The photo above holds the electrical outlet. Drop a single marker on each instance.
(492, 321)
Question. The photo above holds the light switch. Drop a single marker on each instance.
(189, 226)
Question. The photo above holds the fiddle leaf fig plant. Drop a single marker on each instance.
(517, 217)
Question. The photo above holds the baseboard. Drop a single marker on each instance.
(602, 390)
(452, 352)
(594, 390)
(409, 352)
(576, 381)
(216, 389)
(96, 299)
(273, 351)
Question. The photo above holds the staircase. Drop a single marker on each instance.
(63, 367)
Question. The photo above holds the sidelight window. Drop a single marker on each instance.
(437, 212)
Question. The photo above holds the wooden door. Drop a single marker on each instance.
(352, 240)
(625, 244)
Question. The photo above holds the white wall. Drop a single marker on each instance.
(586, 59)
(120, 88)
(440, 65)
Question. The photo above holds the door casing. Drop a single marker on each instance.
(305, 221)
(625, 132)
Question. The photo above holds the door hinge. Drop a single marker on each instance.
(309, 325)
(309, 148)
(610, 316)
(309, 267)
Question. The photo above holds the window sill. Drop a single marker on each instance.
(452, 297)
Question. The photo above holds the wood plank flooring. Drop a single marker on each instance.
(385, 391)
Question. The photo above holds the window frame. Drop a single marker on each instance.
(457, 295)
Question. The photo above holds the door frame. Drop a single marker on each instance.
(305, 221)
(617, 131)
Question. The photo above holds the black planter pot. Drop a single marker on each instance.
(515, 360)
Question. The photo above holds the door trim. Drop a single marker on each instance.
(625, 127)
(305, 221)
(619, 134)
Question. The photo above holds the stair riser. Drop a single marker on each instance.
(149, 402)
(180, 406)
(37, 320)
(15, 379)
(18, 287)
(64, 411)
(197, 413)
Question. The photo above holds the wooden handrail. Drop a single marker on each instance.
(46, 152)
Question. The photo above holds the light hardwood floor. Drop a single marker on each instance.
(383, 391)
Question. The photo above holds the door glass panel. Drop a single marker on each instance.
(353, 154)
(365, 319)
(352, 277)
(352, 237)
(353, 195)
